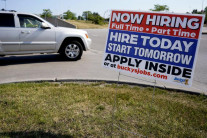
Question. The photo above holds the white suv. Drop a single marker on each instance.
(22, 33)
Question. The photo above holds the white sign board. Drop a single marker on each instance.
(160, 46)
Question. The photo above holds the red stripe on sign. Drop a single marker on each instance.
(157, 23)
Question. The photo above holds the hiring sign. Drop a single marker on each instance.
(155, 45)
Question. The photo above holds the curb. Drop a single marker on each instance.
(109, 81)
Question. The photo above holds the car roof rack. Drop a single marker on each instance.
(8, 10)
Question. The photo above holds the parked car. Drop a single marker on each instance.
(22, 33)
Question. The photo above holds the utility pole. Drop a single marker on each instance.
(5, 4)
(202, 6)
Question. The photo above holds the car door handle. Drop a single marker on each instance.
(25, 32)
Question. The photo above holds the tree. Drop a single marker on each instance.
(87, 15)
(80, 18)
(94, 17)
(205, 12)
(97, 19)
(46, 13)
(158, 7)
(195, 11)
(70, 15)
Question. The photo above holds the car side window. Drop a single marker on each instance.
(7, 20)
(27, 21)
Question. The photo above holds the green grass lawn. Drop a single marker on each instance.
(85, 110)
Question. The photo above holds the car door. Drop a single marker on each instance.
(33, 38)
(9, 34)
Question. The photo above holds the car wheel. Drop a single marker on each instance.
(72, 51)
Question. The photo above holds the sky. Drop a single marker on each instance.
(103, 7)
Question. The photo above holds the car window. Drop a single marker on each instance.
(27, 21)
(6, 20)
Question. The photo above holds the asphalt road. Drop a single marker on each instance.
(51, 67)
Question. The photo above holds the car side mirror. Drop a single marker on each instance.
(44, 26)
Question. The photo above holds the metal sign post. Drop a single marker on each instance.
(114, 105)
(150, 110)
(113, 122)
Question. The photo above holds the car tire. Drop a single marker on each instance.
(72, 51)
